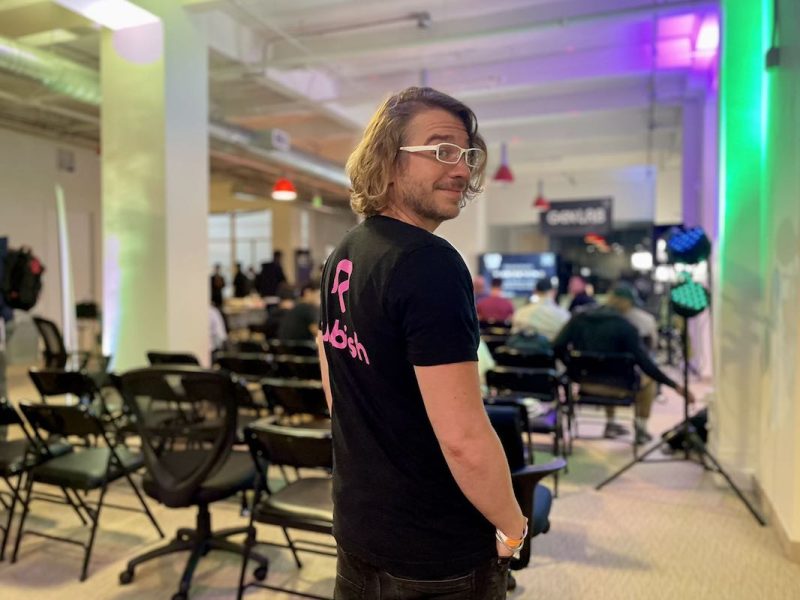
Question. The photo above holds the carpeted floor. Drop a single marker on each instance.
(662, 531)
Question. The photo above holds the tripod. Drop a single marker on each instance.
(691, 440)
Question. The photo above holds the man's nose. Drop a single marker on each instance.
(460, 169)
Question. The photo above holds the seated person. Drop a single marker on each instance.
(542, 315)
(302, 321)
(579, 291)
(605, 329)
(495, 307)
(276, 313)
(219, 334)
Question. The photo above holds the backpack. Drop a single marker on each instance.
(22, 279)
(529, 343)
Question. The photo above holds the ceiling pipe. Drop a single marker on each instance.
(83, 84)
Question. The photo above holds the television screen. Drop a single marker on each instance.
(519, 272)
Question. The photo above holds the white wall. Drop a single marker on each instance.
(28, 172)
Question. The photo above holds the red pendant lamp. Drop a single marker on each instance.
(541, 203)
(503, 174)
(284, 190)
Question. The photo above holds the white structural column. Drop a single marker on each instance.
(155, 187)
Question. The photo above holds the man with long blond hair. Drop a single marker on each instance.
(424, 506)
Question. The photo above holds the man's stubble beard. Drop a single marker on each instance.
(423, 204)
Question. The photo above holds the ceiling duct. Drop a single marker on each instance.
(58, 74)
(83, 84)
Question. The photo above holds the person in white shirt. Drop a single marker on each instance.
(542, 315)
(217, 328)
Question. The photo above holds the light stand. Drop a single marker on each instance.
(688, 299)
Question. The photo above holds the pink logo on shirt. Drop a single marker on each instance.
(340, 287)
(337, 337)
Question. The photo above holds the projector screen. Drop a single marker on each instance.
(519, 272)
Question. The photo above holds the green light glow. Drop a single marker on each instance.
(742, 128)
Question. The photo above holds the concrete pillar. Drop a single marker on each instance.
(155, 187)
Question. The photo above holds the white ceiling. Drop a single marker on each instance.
(570, 85)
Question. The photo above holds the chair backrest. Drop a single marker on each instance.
(296, 396)
(493, 342)
(250, 347)
(606, 368)
(172, 358)
(55, 353)
(495, 327)
(507, 423)
(62, 420)
(298, 447)
(58, 382)
(186, 419)
(297, 367)
(250, 365)
(9, 416)
(541, 383)
(511, 357)
(293, 347)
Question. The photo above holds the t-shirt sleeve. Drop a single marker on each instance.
(430, 298)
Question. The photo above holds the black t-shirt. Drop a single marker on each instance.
(294, 324)
(395, 296)
(604, 329)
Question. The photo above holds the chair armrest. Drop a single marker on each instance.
(532, 474)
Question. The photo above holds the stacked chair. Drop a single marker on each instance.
(82, 470)
(305, 504)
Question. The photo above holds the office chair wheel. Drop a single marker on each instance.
(126, 577)
(260, 573)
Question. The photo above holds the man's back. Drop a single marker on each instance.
(495, 308)
(605, 330)
(395, 296)
(295, 323)
(544, 317)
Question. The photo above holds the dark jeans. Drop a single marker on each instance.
(358, 580)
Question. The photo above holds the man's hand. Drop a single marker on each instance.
(502, 551)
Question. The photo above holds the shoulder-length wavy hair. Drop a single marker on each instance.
(370, 165)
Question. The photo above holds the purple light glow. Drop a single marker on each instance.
(674, 53)
(689, 40)
(679, 26)
(707, 41)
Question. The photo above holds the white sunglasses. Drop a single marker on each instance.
(450, 154)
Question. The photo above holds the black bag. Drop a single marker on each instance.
(529, 343)
(22, 279)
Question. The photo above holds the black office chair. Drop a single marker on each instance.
(305, 503)
(534, 498)
(84, 469)
(611, 371)
(172, 358)
(189, 459)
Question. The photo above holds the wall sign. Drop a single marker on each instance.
(577, 217)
